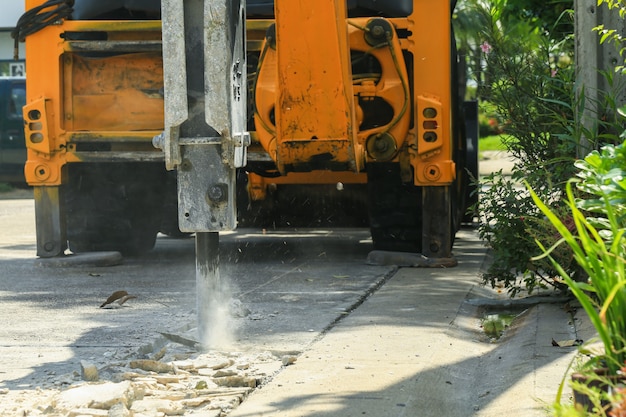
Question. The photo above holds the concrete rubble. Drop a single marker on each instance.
(171, 380)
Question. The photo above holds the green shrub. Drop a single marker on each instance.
(594, 229)
(531, 93)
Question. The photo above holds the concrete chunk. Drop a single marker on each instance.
(101, 396)
(88, 371)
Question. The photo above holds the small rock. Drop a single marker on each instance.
(223, 373)
(119, 410)
(172, 396)
(102, 396)
(129, 376)
(289, 360)
(167, 379)
(235, 381)
(184, 364)
(88, 371)
(195, 402)
(167, 407)
(205, 372)
(238, 310)
(180, 356)
(151, 366)
(227, 405)
(91, 412)
(215, 365)
(159, 355)
(206, 413)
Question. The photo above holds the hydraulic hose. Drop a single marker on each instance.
(38, 18)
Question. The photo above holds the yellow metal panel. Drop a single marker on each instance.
(44, 135)
(314, 103)
(121, 92)
(430, 44)
(257, 185)
(92, 93)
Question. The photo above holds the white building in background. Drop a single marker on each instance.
(11, 12)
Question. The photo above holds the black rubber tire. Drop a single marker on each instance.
(114, 206)
(395, 209)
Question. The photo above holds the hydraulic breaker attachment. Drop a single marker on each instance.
(204, 136)
(205, 107)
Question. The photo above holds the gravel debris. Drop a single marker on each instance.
(165, 379)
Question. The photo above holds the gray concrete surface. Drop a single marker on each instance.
(294, 284)
(415, 348)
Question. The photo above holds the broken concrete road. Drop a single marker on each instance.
(321, 332)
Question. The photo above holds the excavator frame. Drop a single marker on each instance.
(338, 96)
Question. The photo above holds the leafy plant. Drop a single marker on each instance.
(598, 245)
(528, 87)
(603, 296)
(613, 35)
(531, 85)
(511, 223)
(596, 394)
(602, 175)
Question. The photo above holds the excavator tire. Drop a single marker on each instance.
(395, 209)
(114, 206)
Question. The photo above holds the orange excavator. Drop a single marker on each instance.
(198, 116)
